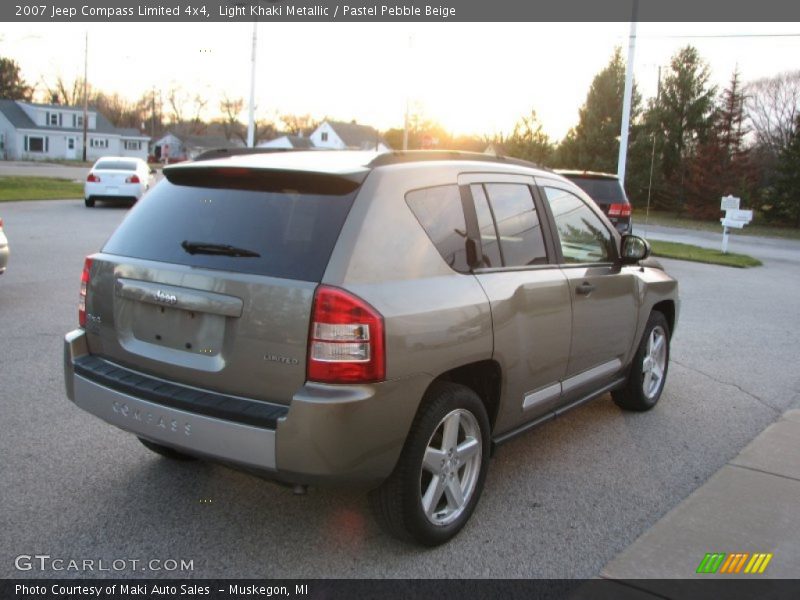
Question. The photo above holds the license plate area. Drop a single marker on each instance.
(178, 329)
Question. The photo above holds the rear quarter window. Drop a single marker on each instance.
(439, 211)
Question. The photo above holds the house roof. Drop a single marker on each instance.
(355, 135)
(20, 120)
(299, 141)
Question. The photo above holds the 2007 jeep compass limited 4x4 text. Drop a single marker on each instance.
(380, 318)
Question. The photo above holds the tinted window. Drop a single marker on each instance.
(518, 227)
(602, 191)
(489, 241)
(293, 232)
(438, 210)
(116, 165)
(584, 238)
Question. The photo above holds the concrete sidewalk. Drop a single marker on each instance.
(751, 505)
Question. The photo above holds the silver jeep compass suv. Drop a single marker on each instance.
(360, 317)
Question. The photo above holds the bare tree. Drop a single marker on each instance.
(298, 124)
(68, 94)
(231, 108)
(773, 104)
(176, 99)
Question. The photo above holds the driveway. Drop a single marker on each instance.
(559, 502)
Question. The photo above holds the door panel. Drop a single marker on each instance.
(532, 320)
(604, 297)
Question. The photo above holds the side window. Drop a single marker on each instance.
(512, 214)
(489, 241)
(438, 210)
(584, 238)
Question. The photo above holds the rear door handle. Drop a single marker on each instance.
(585, 288)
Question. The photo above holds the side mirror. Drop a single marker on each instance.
(633, 249)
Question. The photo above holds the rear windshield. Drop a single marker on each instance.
(602, 191)
(116, 165)
(292, 233)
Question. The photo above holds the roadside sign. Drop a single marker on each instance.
(732, 223)
(739, 215)
(729, 202)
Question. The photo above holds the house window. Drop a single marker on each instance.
(53, 119)
(324, 136)
(98, 143)
(36, 144)
(77, 120)
(131, 145)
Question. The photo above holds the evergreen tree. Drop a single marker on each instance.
(682, 119)
(785, 195)
(722, 164)
(529, 141)
(593, 144)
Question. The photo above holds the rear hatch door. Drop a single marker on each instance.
(209, 281)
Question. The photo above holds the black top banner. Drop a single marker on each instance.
(400, 10)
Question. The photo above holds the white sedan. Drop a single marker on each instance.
(3, 249)
(117, 178)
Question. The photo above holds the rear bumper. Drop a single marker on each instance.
(328, 434)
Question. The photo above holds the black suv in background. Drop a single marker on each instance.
(607, 192)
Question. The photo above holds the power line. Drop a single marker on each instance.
(724, 35)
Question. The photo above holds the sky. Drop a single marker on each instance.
(473, 78)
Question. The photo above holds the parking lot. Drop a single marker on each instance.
(559, 502)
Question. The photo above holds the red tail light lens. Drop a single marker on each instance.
(619, 210)
(92, 178)
(132, 179)
(85, 276)
(346, 341)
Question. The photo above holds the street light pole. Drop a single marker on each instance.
(626, 101)
(251, 123)
(85, 91)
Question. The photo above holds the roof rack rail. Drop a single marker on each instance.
(223, 152)
(407, 156)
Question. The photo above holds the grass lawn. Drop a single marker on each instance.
(38, 188)
(669, 220)
(703, 255)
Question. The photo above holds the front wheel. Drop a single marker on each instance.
(440, 474)
(88, 202)
(649, 368)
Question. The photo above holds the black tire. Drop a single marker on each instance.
(166, 451)
(88, 202)
(637, 395)
(398, 502)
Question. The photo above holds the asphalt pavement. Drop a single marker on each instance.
(560, 502)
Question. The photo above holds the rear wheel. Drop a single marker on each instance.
(440, 474)
(166, 451)
(88, 202)
(649, 368)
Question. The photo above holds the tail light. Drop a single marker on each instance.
(85, 276)
(346, 341)
(92, 178)
(1, 223)
(132, 179)
(619, 210)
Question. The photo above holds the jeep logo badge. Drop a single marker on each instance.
(165, 298)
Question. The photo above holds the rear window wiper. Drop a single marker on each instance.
(219, 249)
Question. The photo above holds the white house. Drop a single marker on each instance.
(51, 131)
(289, 142)
(337, 135)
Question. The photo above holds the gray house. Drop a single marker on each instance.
(176, 147)
(31, 131)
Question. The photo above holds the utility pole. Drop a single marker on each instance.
(408, 83)
(251, 122)
(85, 91)
(626, 102)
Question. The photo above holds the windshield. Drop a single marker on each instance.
(602, 191)
(115, 165)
